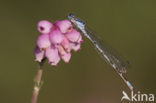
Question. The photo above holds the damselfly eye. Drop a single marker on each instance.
(70, 16)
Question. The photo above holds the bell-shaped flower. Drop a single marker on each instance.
(63, 54)
(56, 36)
(43, 41)
(64, 25)
(66, 57)
(75, 46)
(74, 36)
(52, 54)
(61, 50)
(66, 44)
(44, 26)
(39, 55)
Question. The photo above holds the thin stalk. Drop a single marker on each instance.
(38, 83)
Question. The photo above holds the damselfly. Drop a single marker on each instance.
(103, 49)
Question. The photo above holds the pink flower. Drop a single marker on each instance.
(39, 55)
(56, 36)
(52, 55)
(66, 44)
(44, 26)
(64, 25)
(75, 46)
(66, 57)
(43, 41)
(74, 36)
(61, 50)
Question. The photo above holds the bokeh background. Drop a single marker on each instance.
(129, 26)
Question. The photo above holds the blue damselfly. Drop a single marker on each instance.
(111, 57)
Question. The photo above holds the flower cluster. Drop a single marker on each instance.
(56, 41)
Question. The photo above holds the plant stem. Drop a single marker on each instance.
(37, 85)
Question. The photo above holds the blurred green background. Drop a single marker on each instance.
(129, 26)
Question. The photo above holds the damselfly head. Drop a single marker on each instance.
(76, 21)
(70, 16)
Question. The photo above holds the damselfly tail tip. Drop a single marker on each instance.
(130, 86)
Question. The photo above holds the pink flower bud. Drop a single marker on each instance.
(64, 25)
(56, 36)
(39, 55)
(43, 41)
(75, 46)
(73, 36)
(61, 50)
(66, 45)
(66, 57)
(44, 26)
(52, 55)
(79, 41)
